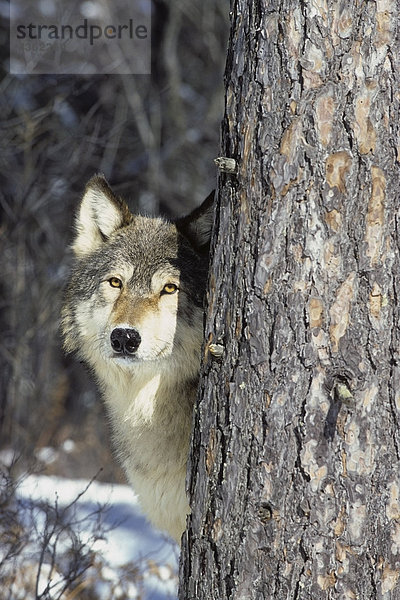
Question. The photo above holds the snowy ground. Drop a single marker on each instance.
(119, 536)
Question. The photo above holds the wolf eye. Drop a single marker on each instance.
(115, 282)
(169, 288)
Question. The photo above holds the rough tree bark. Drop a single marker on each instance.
(295, 457)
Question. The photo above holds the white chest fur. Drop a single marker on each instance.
(151, 420)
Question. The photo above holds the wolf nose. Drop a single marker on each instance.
(125, 341)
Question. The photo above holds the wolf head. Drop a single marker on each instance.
(135, 295)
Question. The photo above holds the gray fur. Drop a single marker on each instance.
(149, 395)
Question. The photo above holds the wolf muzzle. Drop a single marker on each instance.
(125, 341)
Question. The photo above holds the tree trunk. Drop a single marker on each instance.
(295, 457)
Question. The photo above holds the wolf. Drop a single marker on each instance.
(133, 311)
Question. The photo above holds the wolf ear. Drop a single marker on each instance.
(197, 226)
(99, 215)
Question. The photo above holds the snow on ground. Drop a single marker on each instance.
(124, 536)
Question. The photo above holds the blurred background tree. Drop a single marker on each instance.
(154, 137)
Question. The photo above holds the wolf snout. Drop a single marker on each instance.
(125, 341)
